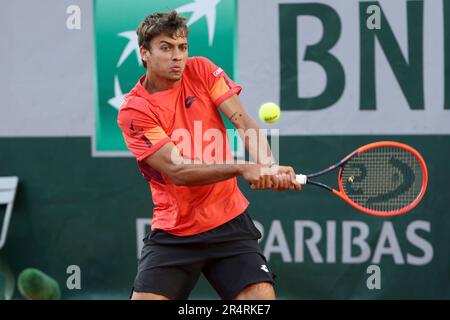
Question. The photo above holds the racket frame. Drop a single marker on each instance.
(340, 193)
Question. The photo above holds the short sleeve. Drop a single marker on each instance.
(220, 87)
(141, 131)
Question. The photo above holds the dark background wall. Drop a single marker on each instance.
(75, 209)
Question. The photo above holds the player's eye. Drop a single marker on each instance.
(183, 48)
(165, 48)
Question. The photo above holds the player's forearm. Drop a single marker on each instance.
(202, 174)
(256, 142)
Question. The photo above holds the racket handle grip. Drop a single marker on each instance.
(301, 178)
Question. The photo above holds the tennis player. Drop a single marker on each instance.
(200, 221)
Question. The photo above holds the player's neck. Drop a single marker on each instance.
(153, 83)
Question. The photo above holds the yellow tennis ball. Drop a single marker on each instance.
(269, 112)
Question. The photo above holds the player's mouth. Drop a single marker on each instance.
(175, 69)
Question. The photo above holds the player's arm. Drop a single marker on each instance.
(148, 142)
(249, 131)
(168, 161)
(257, 144)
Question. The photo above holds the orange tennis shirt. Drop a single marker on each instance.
(187, 115)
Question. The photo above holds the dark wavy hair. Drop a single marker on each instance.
(169, 23)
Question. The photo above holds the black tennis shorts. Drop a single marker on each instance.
(228, 256)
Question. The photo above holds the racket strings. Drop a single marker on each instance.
(383, 179)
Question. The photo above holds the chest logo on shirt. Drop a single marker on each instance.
(189, 101)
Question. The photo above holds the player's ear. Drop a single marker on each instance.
(144, 54)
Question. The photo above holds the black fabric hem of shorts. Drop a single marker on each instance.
(157, 292)
(249, 283)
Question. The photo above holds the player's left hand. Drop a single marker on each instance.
(284, 179)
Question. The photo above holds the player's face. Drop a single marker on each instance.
(167, 57)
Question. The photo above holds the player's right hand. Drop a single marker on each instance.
(278, 178)
(285, 179)
(257, 177)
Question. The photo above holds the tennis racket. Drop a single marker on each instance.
(384, 178)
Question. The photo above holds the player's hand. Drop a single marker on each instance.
(284, 179)
(258, 176)
(277, 178)
(253, 173)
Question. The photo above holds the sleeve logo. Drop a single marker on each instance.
(217, 72)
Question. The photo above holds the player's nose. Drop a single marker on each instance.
(177, 55)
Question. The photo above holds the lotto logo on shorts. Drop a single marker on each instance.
(264, 268)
